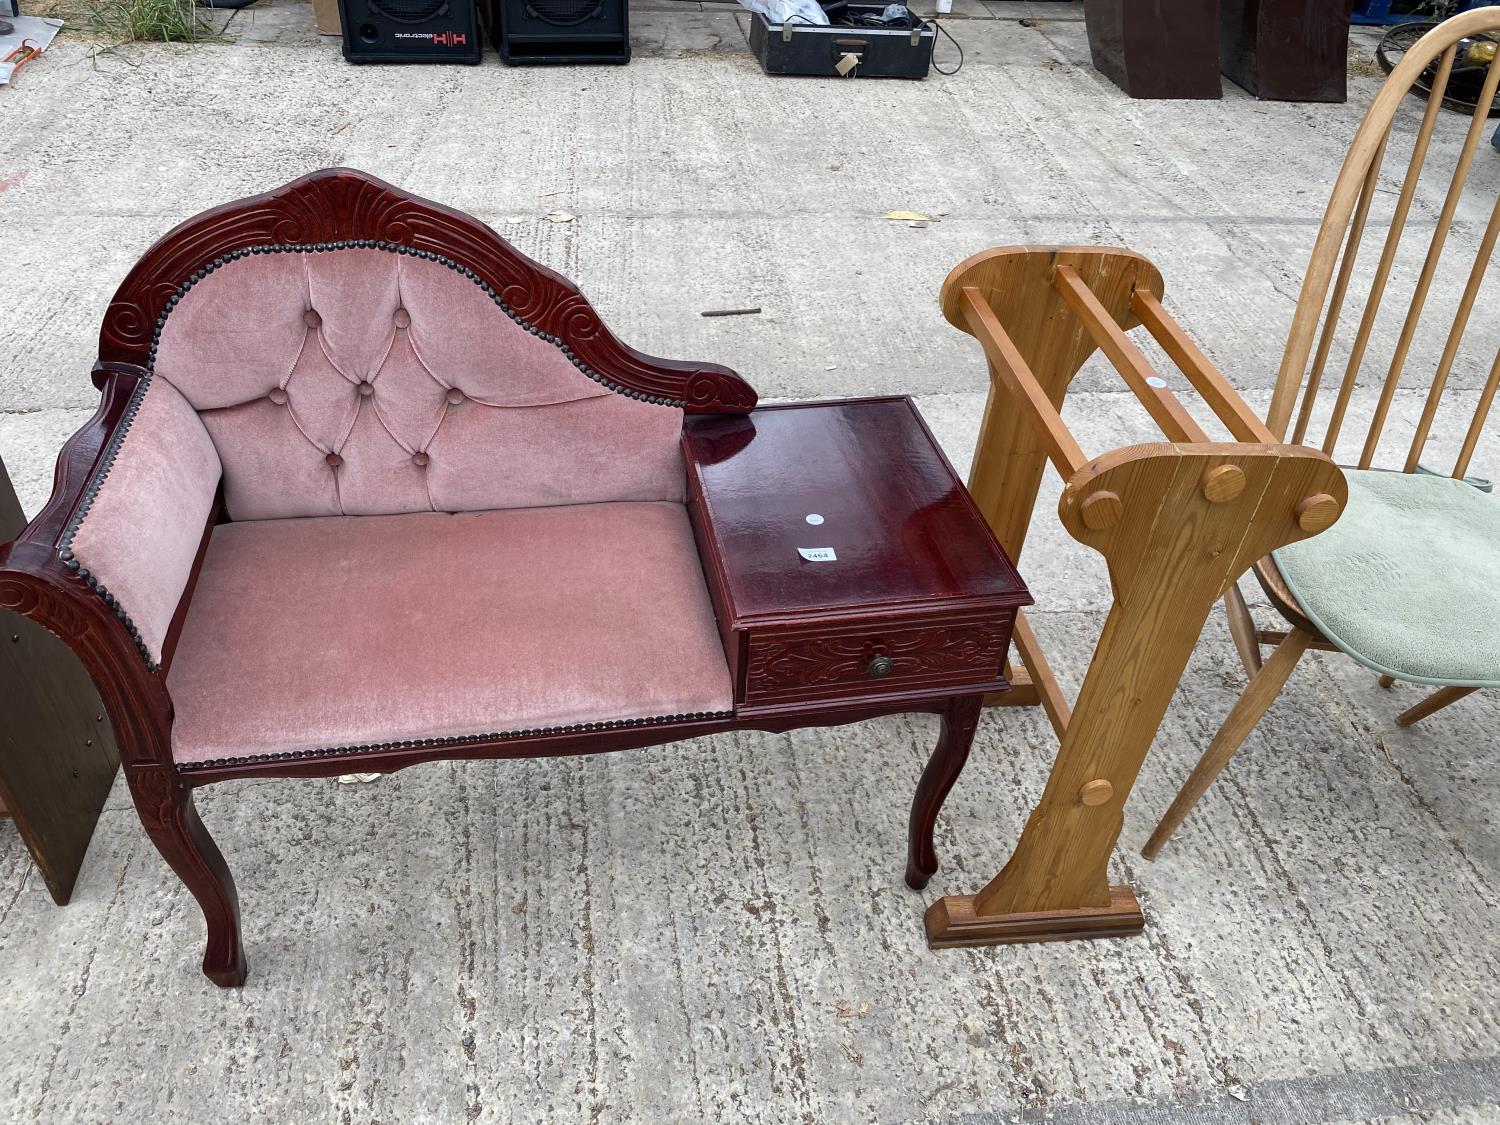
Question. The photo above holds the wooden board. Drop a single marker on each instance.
(57, 752)
(953, 922)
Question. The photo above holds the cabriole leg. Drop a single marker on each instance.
(166, 808)
(960, 719)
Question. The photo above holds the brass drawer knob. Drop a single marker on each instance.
(880, 666)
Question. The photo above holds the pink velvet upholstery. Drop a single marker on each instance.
(140, 535)
(332, 632)
(365, 382)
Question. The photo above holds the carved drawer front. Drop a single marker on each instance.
(803, 663)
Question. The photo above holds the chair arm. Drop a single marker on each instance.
(107, 563)
(137, 526)
(35, 584)
(81, 453)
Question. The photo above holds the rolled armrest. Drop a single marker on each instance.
(131, 522)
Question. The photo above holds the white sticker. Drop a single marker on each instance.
(818, 554)
(814, 519)
(1155, 381)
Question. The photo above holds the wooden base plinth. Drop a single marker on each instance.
(1022, 691)
(951, 921)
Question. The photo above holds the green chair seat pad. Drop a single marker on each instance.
(1407, 582)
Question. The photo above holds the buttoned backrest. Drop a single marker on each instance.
(362, 381)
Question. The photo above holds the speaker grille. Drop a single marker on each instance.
(563, 12)
(408, 11)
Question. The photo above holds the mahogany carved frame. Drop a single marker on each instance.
(339, 207)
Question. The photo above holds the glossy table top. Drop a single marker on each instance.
(900, 526)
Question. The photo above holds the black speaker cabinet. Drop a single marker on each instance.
(559, 31)
(411, 30)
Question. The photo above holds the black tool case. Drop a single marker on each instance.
(800, 48)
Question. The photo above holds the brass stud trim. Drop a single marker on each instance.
(457, 740)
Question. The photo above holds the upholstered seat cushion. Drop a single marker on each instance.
(343, 631)
(1408, 580)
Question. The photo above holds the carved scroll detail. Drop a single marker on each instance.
(778, 664)
(340, 205)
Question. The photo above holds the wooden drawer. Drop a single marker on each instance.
(818, 662)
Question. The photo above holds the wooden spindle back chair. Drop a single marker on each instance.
(1335, 344)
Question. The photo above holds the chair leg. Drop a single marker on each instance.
(167, 811)
(1247, 711)
(1242, 629)
(1433, 703)
(960, 720)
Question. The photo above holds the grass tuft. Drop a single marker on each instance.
(134, 21)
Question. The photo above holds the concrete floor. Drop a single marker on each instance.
(717, 931)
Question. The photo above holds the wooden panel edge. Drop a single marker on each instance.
(951, 922)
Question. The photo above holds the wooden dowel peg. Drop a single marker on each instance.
(1096, 792)
(1102, 509)
(1223, 483)
(1317, 512)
